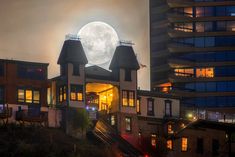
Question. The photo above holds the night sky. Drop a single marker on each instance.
(34, 30)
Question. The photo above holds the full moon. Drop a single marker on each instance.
(99, 41)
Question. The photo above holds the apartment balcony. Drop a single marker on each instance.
(190, 93)
(191, 78)
(187, 3)
(189, 33)
(181, 63)
(161, 68)
(177, 48)
(174, 17)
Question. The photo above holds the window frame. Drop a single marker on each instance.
(183, 146)
(24, 99)
(130, 123)
(170, 108)
(150, 113)
(127, 96)
(78, 89)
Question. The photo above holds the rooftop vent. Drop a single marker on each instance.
(72, 37)
(126, 43)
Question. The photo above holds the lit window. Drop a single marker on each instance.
(205, 72)
(128, 124)
(169, 129)
(62, 93)
(73, 96)
(20, 95)
(131, 98)
(76, 92)
(150, 106)
(138, 106)
(154, 140)
(184, 72)
(79, 96)
(29, 96)
(169, 144)
(128, 98)
(124, 98)
(184, 144)
(112, 120)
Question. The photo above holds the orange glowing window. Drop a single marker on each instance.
(20, 95)
(188, 12)
(169, 129)
(79, 96)
(184, 144)
(29, 96)
(128, 98)
(154, 140)
(76, 92)
(169, 144)
(205, 72)
(131, 98)
(138, 105)
(189, 72)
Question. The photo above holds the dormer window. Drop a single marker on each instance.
(76, 69)
(127, 74)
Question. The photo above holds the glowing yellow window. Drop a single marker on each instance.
(131, 98)
(79, 96)
(65, 96)
(184, 144)
(29, 96)
(205, 72)
(138, 106)
(154, 140)
(169, 144)
(20, 95)
(73, 96)
(124, 98)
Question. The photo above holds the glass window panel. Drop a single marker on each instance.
(124, 98)
(199, 42)
(169, 144)
(211, 86)
(200, 27)
(36, 97)
(199, 11)
(29, 96)
(184, 144)
(128, 124)
(20, 95)
(220, 25)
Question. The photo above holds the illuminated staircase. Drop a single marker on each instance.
(107, 135)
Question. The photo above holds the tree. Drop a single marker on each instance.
(80, 120)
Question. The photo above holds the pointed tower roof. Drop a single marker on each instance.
(124, 57)
(72, 52)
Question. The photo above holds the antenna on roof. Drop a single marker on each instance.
(126, 43)
(72, 37)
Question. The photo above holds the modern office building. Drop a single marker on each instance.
(193, 53)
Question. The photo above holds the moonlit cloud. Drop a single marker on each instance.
(34, 30)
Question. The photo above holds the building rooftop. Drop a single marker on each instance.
(124, 57)
(72, 52)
